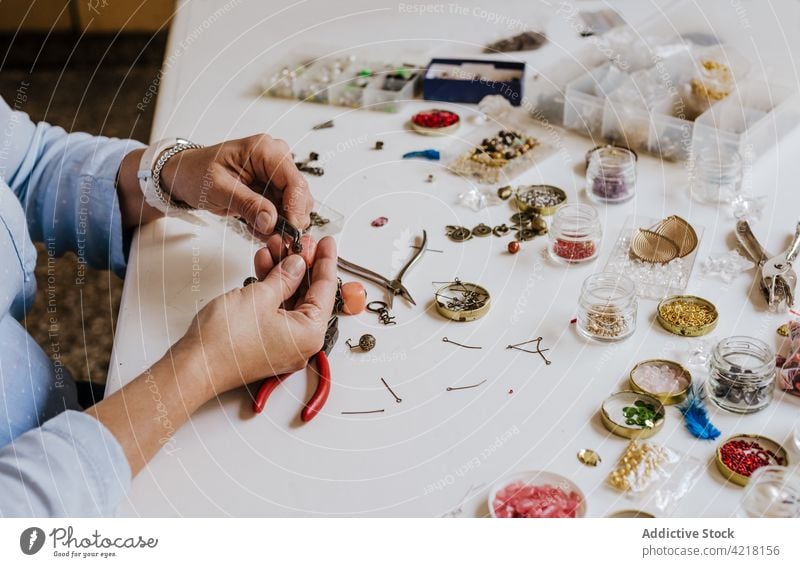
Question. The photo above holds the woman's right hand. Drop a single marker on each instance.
(251, 332)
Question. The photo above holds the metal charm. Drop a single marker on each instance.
(382, 309)
(589, 457)
(318, 220)
(458, 233)
(365, 343)
(501, 230)
(525, 234)
(482, 230)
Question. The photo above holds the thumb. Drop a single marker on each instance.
(255, 209)
(282, 282)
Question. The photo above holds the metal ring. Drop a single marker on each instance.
(382, 306)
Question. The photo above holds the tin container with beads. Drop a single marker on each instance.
(741, 377)
(738, 457)
(540, 199)
(617, 414)
(663, 379)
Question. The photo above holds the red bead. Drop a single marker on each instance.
(513, 247)
(571, 250)
(435, 118)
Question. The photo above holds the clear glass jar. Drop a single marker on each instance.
(575, 234)
(741, 375)
(607, 307)
(611, 174)
(716, 175)
(772, 492)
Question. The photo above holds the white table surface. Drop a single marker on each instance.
(421, 457)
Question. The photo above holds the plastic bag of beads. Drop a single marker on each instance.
(654, 476)
(789, 373)
(499, 153)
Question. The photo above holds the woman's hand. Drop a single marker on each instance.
(254, 178)
(255, 331)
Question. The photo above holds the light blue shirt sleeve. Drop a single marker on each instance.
(57, 188)
(67, 186)
(71, 466)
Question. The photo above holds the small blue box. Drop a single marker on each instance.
(469, 80)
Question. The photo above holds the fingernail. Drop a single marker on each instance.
(294, 265)
(264, 222)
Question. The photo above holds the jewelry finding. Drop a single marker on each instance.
(323, 125)
(539, 350)
(382, 309)
(589, 457)
(461, 301)
(414, 246)
(365, 343)
(306, 168)
(362, 412)
(446, 340)
(482, 230)
(458, 233)
(397, 398)
(454, 388)
(318, 220)
(501, 230)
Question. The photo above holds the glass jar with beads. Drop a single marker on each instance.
(607, 307)
(611, 174)
(741, 377)
(575, 234)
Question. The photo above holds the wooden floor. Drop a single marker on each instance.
(94, 84)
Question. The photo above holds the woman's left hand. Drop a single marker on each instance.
(254, 178)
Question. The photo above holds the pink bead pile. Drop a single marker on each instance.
(521, 500)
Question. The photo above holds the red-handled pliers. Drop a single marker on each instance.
(314, 405)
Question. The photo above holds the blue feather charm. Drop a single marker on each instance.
(696, 419)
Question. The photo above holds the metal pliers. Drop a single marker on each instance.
(320, 396)
(395, 286)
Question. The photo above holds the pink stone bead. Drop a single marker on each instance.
(354, 297)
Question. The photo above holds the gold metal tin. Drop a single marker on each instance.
(630, 514)
(666, 398)
(544, 211)
(463, 316)
(740, 479)
(628, 397)
(683, 330)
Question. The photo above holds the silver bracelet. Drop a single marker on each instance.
(162, 160)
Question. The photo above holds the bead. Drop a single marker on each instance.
(505, 192)
(435, 118)
(380, 221)
(365, 343)
(354, 298)
(378, 145)
(248, 281)
(513, 247)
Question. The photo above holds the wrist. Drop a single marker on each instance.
(170, 176)
(192, 373)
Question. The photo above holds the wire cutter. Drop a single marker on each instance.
(395, 286)
(320, 396)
